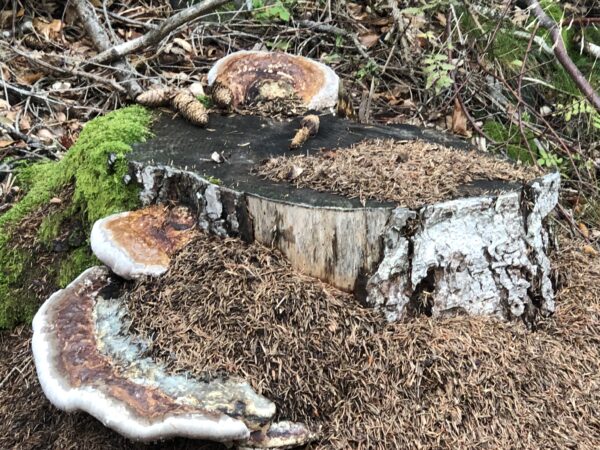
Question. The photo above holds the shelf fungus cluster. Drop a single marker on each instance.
(245, 78)
(86, 359)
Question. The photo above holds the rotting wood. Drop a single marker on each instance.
(334, 245)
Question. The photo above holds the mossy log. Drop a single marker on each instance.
(479, 253)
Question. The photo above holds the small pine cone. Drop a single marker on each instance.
(155, 97)
(311, 122)
(222, 96)
(300, 138)
(35, 42)
(190, 108)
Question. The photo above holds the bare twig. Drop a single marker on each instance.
(154, 36)
(40, 97)
(16, 134)
(101, 40)
(561, 54)
(332, 29)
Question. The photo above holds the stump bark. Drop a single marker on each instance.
(480, 253)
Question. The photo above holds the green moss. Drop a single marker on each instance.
(511, 139)
(78, 260)
(98, 191)
(15, 306)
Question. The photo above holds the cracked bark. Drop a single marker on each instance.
(489, 256)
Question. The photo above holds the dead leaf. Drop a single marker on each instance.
(459, 120)
(589, 250)
(55, 200)
(45, 135)
(441, 18)
(5, 143)
(4, 104)
(49, 30)
(369, 40)
(584, 230)
(25, 123)
(29, 78)
(183, 44)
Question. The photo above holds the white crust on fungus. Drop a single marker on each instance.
(325, 97)
(112, 413)
(115, 256)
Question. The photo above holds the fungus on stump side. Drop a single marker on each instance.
(141, 242)
(248, 74)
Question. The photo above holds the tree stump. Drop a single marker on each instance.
(479, 253)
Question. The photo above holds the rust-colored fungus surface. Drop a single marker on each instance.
(139, 243)
(81, 363)
(252, 74)
(152, 234)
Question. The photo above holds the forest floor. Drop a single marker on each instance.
(481, 70)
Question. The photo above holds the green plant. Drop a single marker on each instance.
(369, 69)
(267, 11)
(578, 108)
(278, 45)
(214, 180)
(206, 100)
(438, 68)
(549, 159)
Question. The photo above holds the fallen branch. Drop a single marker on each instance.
(560, 52)
(539, 41)
(100, 38)
(154, 36)
(592, 49)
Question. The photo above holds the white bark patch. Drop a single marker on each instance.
(484, 255)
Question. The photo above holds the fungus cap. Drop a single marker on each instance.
(315, 84)
(75, 375)
(139, 243)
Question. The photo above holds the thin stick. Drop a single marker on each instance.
(154, 36)
(101, 40)
(560, 52)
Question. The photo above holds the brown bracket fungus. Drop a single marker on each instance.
(140, 242)
(245, 76)
(85, 361)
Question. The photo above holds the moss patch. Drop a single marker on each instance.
(95, 168)
(78, 260)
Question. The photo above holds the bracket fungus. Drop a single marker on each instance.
(244, 77)
(140, 242)
(76, 374)
(86, 360)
